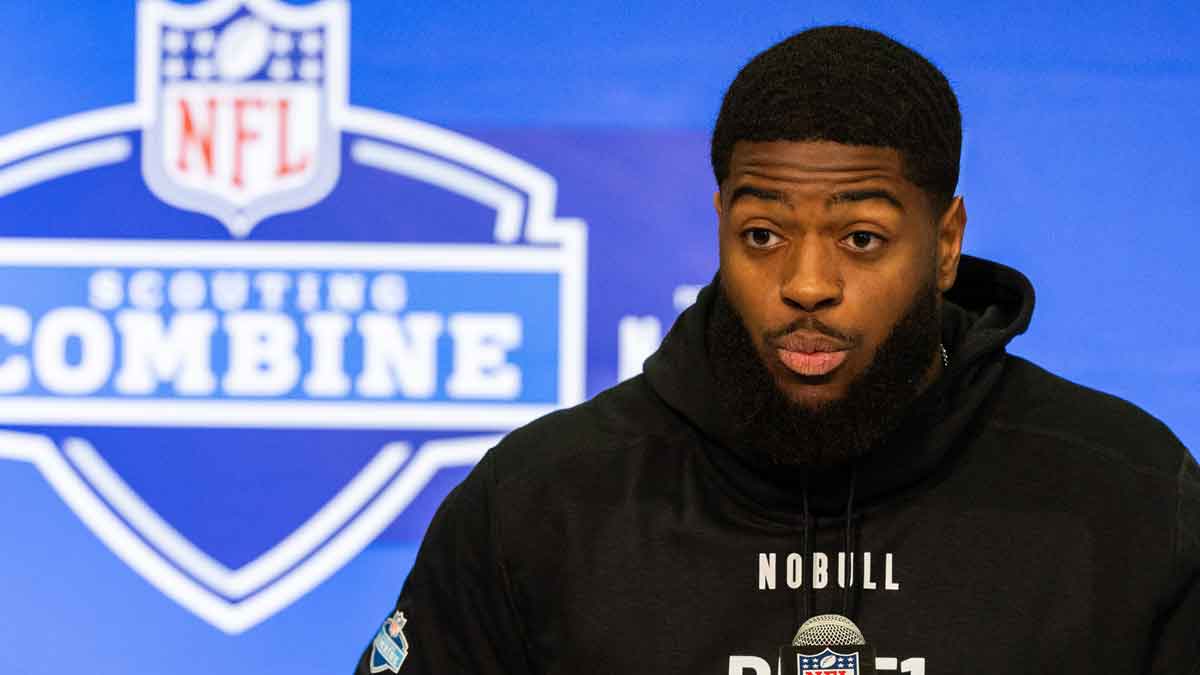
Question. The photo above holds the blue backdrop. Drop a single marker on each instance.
(486, 212)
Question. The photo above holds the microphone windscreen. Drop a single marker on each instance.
(827, 644)
(828, 629)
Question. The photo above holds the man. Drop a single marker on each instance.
(834, 426)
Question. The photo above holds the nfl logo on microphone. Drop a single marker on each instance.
(828, 662)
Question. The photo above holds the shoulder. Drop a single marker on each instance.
(1129, 463)
(1033, 401)
(617, 421)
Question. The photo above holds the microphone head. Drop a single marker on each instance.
(828, 629)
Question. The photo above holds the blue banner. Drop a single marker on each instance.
(273, 276)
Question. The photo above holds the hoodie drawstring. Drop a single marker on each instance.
(846, 548)
(806, 556)
(806, 551)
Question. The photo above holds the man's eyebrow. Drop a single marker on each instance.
(757, 193)
(851, 196)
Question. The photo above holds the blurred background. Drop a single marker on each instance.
(271, 529)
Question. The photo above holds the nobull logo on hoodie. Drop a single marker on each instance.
(821, 570)
(264, 320)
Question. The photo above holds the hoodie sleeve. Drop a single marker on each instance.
(1178, 631)
(454, 613)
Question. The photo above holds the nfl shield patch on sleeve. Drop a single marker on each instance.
(390, 646)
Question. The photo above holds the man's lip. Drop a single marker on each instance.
(808, 343)
(810, 354)
(811, 363)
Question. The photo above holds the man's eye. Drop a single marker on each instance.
(864, 241)
(760, 238)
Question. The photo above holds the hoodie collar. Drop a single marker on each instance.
(988, 306)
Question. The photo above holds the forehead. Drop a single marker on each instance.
(815, 165)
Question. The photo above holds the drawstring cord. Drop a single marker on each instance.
(800, 598)
(806, 556)
(849, 543)
(806, 550)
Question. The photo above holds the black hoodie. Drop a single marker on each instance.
(1015, 523)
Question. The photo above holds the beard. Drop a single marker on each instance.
(777, 431)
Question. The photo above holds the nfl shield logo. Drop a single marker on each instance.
(390, 647)
(237, 420)
(828, 662)
(239, 99)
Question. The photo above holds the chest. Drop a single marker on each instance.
(964, 591)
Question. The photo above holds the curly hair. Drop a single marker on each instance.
(848, 85)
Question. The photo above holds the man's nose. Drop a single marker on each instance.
(812, 278)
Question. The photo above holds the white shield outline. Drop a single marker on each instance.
(331, 15)
(275, 579)
(524, 199)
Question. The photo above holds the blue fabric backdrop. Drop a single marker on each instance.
(1078, 170)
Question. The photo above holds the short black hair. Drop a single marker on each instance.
(848, 85)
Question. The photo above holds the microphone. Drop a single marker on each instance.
(827, 644)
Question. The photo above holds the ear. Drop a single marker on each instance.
(717, 203)
(951, 227)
